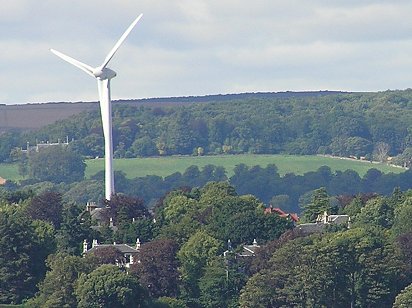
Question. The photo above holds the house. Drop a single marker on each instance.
(334, 219)
(43, 145)
(129, 255)
(247, 250)
(269, 210)
(322, 221)
(100, 216)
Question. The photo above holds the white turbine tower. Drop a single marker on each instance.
(103, 74)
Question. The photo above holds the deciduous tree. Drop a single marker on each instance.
(404, 299)
(47, 206)
(18, 249)
(200, 249)
(56, 164)
(380, 152)
(57, 288)
(158, 267)
(320, 204)
(109, 286)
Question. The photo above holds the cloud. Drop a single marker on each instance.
(196, 47)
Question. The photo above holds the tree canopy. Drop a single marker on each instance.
(342, 124)
(57, 164)
(108, 286)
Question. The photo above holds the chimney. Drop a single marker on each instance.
(137, 244)
(85, 246)
(94, 243)
(325, 217)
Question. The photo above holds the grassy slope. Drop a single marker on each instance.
(164, 166)
(9, 172)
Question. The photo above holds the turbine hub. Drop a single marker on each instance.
(103, 74)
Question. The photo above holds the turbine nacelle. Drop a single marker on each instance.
(105, 73)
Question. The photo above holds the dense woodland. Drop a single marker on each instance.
(185, 259)
(374, 125)
(185, 220)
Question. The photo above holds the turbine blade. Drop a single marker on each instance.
(84, 67)
(119, 42)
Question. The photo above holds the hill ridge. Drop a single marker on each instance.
(36, 115)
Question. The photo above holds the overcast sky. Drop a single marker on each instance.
(193, 47)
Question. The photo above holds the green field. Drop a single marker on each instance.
(10, 172)
(163, 166)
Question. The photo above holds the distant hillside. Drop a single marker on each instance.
(34, 116)
(340, 124)
(37, 115)
(363, 125)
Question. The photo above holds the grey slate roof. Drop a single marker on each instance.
(123, 248)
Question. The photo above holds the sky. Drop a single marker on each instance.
(194, 47)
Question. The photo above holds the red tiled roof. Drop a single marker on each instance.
(281, 213)
(294, 217)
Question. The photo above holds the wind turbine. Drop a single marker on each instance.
(103, 75)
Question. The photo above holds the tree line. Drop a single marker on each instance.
(61, 169)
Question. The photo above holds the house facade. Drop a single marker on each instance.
(127, 255)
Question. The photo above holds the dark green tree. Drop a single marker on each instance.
(56, 164)
(194, 255)
(277, 285)
(354, 207)
(45, 240)
(74, 228)
(214, 286)
(144, 147)
(19, 250)
(57, 288)
(143, 228)
(376, 212)
(8, 140)
(354, 268)
(403, 218)
(182, 230)
(168, 302)
(214, 192)
(320, 204)
(109, 286)
(221, 283)
(47, 206)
